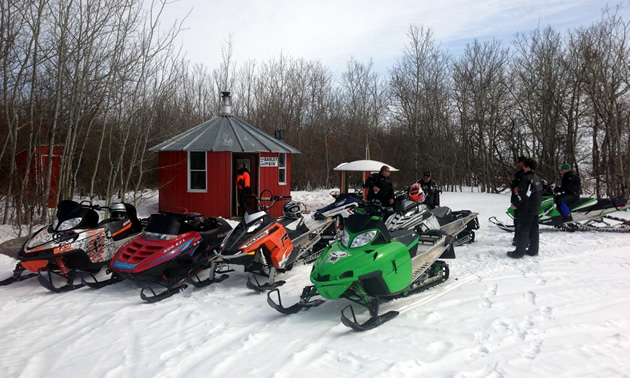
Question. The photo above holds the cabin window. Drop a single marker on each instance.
(282, 168)
(197, 173)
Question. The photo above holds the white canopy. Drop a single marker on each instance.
(363, 166)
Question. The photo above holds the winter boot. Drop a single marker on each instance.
(567, 218)
(515, 255)
(531, 253)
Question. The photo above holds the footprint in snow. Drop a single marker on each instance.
(531, 297)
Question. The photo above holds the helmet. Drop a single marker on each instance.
(416, 194)
(118, 210)
(292, 210)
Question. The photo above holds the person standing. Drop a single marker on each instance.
(380, 187)
(431, 191)
(514, 184)
(569, 192)
(527, 201)
(243, 190)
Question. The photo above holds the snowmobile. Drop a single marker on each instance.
(266, 246)
(412, 215)
(76, 241)
(588, 214)
(173, 248)
(371, 264)
(345, 205)
(408, 213)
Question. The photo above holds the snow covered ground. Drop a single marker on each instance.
(564, 313)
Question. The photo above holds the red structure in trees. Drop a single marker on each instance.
(38, 171)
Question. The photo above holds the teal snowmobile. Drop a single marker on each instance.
(371, 264)
(589, 214)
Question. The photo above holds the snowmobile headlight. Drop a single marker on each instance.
(362, 239)
(67, 224)
(255, 226)
(345, 238)
(157, 236)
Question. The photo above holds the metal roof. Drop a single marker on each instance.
(224, 133)
(364, 166)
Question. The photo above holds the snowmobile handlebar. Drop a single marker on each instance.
(88, 205)
(268, 198)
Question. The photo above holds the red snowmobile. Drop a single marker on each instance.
(173, 248)
(76, 241)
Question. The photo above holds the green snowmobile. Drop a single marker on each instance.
(370, 264)
(588, 214)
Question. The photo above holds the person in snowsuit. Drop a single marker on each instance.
(431, 191)
(527, 200)
(514, 184)
(380, 187)
(243, 189)
(569, 192)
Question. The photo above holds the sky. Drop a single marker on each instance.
(334, 31)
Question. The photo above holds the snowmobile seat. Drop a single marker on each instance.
(406, 237)
(608, 203)
(441, 212)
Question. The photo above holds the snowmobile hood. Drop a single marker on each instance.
(45, 244)
(388, 265)
(247, 234)
(140, 253)
(343, 205)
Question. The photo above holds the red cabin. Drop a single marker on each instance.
(197, 168)
(38, 171)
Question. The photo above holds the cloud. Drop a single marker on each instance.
(333, 31)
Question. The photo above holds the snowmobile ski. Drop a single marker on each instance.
(373, 322)
(96, 284)
(212, 278)
(156, 297)
(46, 280)
(304, 304)
(254, 284)
(17, 276)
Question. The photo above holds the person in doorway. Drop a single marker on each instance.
(513, 187)
(569, 192)
(527, 200)
(380, 187)
(243, 190)
(431, 191)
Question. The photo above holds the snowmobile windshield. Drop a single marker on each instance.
(71, 214)
(164, 224)
(358, 223)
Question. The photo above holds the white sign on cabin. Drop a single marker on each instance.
(268, 161)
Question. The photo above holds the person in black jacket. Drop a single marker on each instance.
(514, 184)
(569, 192)
(431, 191)
(527, 201)
(380, 187)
